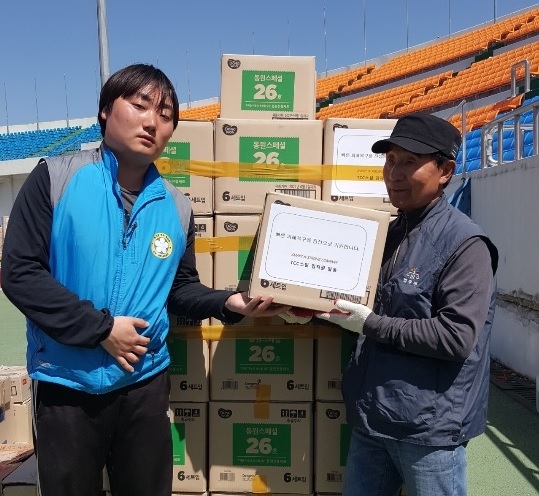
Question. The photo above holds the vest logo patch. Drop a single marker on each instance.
(411, 276)
(161, 245)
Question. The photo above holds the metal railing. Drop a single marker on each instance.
(499, 125)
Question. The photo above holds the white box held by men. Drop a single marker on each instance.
(310, 253)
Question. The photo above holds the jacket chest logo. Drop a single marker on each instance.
(161, 245)
(411, 276)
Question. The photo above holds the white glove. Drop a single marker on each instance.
(292, 318)
(353, 317)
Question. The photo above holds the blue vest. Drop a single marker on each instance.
(129, 271)
(404, 396)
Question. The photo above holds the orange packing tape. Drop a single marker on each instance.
(223, 243)
(279, 172)
(260, 484)
(238, 331)
(263, 395)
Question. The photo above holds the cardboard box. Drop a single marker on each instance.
(310, 253)
(20, 423)
(5, 424)
(268, 87)
(264, 156)
(5, 221)
(19, 382)
(204, 263)
(189, 366)
(5, 391)
(233, 262)
(260, 447)
(189, 353)
(204, 257)
(263, 369)
(332, 439)
(191, 140)
(188, 422)
(347, 147)
(250, 494)
(332, 354)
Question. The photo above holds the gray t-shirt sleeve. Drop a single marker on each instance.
(462, 298)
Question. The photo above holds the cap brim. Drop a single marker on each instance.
(412, 145)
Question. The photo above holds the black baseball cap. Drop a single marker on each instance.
(422, 134)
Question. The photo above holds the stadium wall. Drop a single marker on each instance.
(19, 128)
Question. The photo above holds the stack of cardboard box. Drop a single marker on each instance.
(261, 411)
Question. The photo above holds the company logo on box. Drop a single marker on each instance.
(332, 414)
(224, 413)
(234, 63)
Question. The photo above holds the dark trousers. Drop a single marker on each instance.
(77, 434)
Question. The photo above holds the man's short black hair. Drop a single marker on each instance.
(128, 81)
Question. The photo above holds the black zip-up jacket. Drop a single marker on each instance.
(421, 374)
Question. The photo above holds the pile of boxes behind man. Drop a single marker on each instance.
(256, 415)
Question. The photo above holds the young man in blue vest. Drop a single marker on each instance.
(100, 247)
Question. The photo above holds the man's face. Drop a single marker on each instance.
(413, 181)
(137, 131)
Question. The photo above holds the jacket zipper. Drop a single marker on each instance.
(128, 234)
(396, 254)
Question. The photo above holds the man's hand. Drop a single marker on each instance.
(124, 342)
(349, 316)
(254, 307)
(297, 315)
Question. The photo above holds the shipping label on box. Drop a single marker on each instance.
(268, 87)
(260, 447)
(265, 369)
(188, 423)
(269, 156)
(356, 170)
(310, 253)
(191, 140)
(332, 440)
